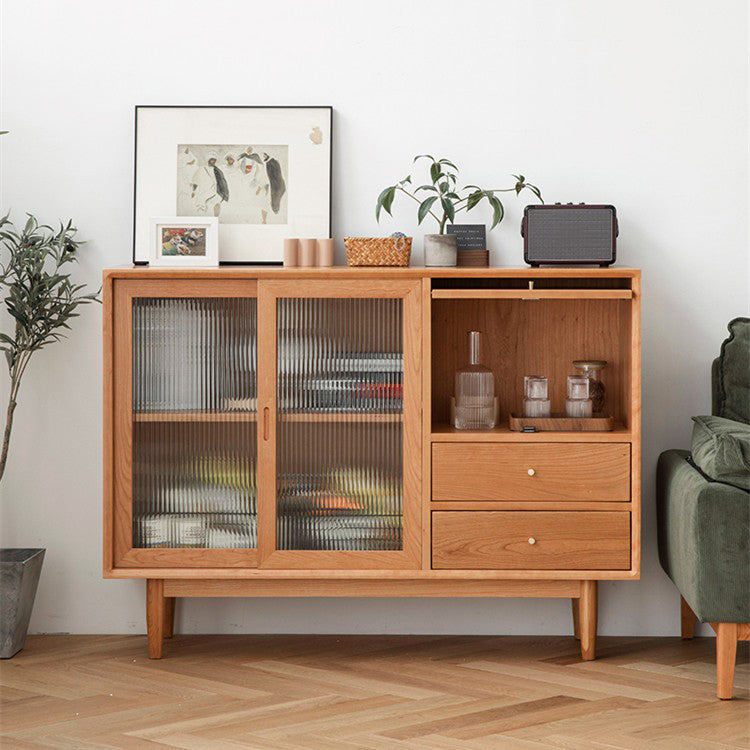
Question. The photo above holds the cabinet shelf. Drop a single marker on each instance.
(195, 416)
(359, 416)
(442, 432)
(532, 294)
(229, 416)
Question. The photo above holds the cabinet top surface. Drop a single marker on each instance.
(340, 272)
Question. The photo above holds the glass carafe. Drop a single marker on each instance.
(475, 391)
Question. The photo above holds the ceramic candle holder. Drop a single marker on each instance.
(307, 252)
(291, 253)
(325, 253)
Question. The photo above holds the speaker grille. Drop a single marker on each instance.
(570, 234)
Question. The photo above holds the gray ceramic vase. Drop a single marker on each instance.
(440, 250)
(19, 576)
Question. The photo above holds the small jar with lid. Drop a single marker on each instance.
(591, 369)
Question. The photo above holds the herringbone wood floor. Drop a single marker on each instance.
(374, 692)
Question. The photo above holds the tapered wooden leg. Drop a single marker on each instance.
(587, 617)
(155, 616)
(726, 653)
(169, 602)
(687, 620)
(576, 619)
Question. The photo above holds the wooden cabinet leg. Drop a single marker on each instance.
(726, 653)
(576, 619)
(587, 619)
(687, 620)
(155, 616)
(169, 603)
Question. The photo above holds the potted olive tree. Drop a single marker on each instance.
(41, 300)
(441, 199)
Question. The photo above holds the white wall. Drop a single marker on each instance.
(639, 103)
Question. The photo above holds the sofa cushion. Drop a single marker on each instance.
(731, 374)
(721, 450)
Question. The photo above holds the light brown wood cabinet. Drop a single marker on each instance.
(284, 432)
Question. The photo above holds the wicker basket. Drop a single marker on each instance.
(378, 251)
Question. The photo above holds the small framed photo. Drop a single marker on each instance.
(184, 241)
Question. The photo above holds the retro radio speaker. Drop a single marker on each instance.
(569, 234)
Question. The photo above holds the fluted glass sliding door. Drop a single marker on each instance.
(340, 417)
(192, 406)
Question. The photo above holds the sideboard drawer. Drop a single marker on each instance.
(536, 472)
(531, 540)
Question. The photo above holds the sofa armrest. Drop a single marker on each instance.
(704, 539)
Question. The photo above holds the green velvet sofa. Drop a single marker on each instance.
(703, 510)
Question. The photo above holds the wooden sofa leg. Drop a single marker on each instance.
(576, 619)
(588, 616)
(726, 653)
(155, 611)
(169, 602)
(687, 620)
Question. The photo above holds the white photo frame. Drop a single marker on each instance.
(264, 172)
(184, 241)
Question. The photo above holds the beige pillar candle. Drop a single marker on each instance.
(307, 252)
(291, 252)
(325, 253)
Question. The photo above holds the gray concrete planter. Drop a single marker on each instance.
(440, 250)
(19, 576)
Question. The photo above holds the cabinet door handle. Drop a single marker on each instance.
(531, 472)
(532, 540)
(266, 414)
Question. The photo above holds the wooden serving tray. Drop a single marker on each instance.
(561, 423)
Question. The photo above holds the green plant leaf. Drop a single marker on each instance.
(537, 192)
(424, 207)
(424, 156)
(449, 163)
(497, 210)
(473, 199)
(448, 208)
(435, 172)
(426, 187)
(385, 201)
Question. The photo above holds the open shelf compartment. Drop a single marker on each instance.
(533, 337)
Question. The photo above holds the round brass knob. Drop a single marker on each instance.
(531, 472)
(532, 540)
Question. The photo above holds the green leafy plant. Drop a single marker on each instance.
(442, 199)
(39, 296)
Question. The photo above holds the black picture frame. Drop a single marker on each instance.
(138, 107)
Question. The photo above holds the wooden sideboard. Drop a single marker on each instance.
(285, 432)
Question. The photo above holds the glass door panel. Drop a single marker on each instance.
(194, 422)
(339, 442)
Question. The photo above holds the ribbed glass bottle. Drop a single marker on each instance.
(475, 391)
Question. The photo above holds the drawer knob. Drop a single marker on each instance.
(531, 472)
(532, 540)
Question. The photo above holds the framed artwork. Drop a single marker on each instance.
(184, 241)
(264, 173)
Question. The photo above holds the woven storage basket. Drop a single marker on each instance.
(378, 251)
